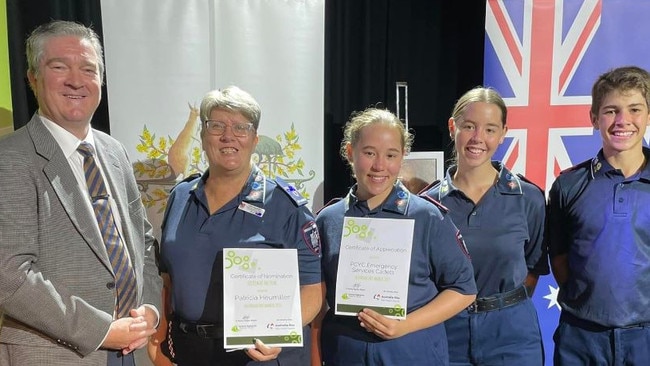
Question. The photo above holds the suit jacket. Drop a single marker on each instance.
(56, 281)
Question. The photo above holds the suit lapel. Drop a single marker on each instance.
(58, 172)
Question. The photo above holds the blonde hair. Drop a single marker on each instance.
(372, 115)
(479, 94)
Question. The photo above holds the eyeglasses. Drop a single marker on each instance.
(218, 128)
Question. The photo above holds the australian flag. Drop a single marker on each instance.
(543, 57)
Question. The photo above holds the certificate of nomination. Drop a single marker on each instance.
(374, 264)
(261, 294)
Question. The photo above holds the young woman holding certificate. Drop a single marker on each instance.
(440, 281)
(501, 217)
(232, 205)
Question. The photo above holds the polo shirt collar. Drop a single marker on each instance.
(397, 201)
(254, 190)
(507, 182)
(600, 166)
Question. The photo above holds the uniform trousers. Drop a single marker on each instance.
(344, 347)
(506, 336)
(580, 342)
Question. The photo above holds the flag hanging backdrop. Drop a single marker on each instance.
(543, 56)
(162, 56)
(6, 118)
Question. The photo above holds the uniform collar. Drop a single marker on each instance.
(600, 166)
(446, 184)
(507, 182)
(254, 190)
(397, 201)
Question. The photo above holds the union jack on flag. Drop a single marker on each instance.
(543, 57)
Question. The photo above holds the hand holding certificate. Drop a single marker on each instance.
(374, 264)
(261, 298)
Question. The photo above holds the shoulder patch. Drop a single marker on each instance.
(291, 191)
(583, 164)
(521, 177)
(440, 206)
(428, 187)
(311, 236)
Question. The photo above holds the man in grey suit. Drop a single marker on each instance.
(57, 285)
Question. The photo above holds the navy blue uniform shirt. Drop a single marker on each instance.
(504, 231)
(193, 240)
(601, 220)
(438, 258)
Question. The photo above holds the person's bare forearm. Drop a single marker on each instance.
(444, 306)
(311, 298)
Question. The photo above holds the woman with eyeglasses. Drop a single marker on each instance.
(231, 205)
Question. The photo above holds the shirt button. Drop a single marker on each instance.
(621, 200)
(474, 213)
(110, 285)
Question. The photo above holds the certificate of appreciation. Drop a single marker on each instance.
(261, 294)
(374, 264)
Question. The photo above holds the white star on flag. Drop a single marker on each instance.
(552, 297)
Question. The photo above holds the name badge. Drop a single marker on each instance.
(251, 209)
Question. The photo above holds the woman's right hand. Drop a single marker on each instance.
(262, 352)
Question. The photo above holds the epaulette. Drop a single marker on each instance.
(583, 164)
(331, 202)
(428, 187)
(440, 206)
(189, 178)
(291, 191)
(521, 177)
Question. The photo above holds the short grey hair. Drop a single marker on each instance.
(231, 99)
(35, 44)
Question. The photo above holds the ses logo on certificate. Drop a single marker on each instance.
(374, 264)
(261, 295)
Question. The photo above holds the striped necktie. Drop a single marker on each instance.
(124, 277)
